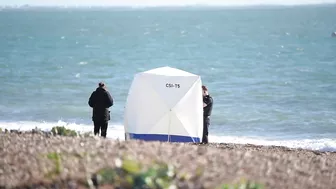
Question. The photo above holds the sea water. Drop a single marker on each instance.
(270, 70)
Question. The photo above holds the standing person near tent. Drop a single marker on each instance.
(100, 101)
(207, 109)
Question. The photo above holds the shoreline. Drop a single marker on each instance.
(272, 166)
(255, 147)
(325, 148)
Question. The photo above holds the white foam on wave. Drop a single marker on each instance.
(113, 132)
(116, 131)
(325, 144)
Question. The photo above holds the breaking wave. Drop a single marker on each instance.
(116, 131)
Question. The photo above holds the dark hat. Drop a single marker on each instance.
(204, 87)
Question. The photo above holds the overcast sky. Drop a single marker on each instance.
(158, 2)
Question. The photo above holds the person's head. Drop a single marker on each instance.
(205, 90)
(101, 85)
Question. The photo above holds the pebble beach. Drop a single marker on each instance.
(23, 162)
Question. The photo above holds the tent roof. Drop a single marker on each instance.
(168, 71)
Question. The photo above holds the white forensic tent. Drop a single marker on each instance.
(164, 104)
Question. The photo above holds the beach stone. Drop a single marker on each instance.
(33, 159)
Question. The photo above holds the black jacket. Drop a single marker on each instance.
(207, 109)
(100, 100)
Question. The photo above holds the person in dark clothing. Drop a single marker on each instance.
(100, 101)
(207, 109)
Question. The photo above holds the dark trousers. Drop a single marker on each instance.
(206, 123)
(100, 126)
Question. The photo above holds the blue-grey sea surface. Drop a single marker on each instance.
(270, 70)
